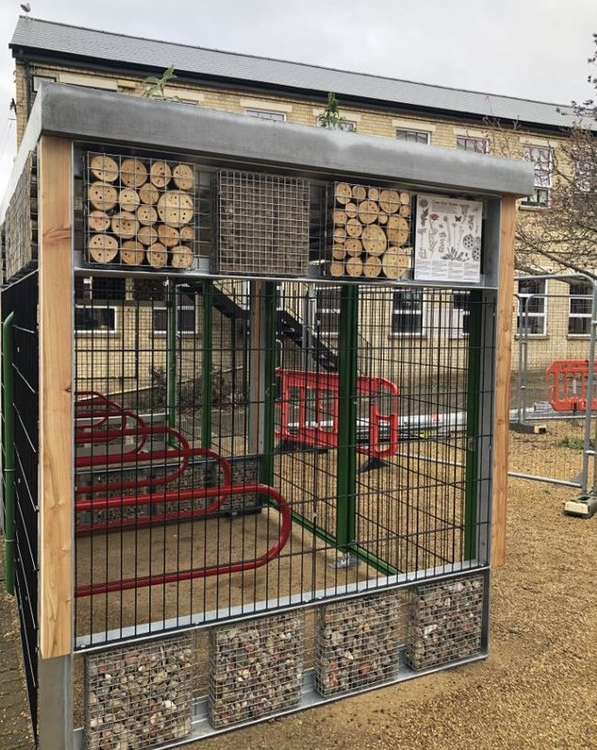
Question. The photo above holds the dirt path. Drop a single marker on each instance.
(537, 690)
(15, 727)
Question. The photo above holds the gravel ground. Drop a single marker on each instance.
(538, 689)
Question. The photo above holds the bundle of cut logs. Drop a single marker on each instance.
(140, 212)
(371, 227)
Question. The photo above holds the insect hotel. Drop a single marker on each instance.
(248, 446)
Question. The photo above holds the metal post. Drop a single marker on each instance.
(590, 391)
(171, 314)
(472, 425)
(269, 386)
(55, 718)
(206, 365)
(347, 417)
(9, 455)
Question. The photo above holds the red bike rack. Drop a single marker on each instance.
(218, 493)
(319, 392)
(568, 389)
(101, 410)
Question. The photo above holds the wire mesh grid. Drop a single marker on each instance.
(21, 299)
(263, 224)
(445, 622)
(371, 230)
(256, 668)
(141, 211)
(555, 428)
(220, 471)
(139, 696)
(358, 643)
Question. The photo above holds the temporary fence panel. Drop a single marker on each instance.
(554, 387)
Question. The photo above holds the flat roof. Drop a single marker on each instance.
(38, 37)
(107, 117)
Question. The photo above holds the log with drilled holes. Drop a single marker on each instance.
(103, 248)
(368, 223)
(141, 211)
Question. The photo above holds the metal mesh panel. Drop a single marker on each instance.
(445, 622)
(357, 643)
(21, 298)
(141, 212)
(140, 696)
(256, 668)
(263, 224)
(553, 416)
(243, 446)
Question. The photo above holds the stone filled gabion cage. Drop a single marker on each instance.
(279, 440)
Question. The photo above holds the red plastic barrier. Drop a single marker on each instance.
(568, 389)
(320, 393)
(213, 492)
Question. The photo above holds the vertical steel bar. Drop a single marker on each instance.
(472, 425)
(584, 480)
(171, 315)
(347, 418)
(207, 364)
(9, 455)
(269, 392)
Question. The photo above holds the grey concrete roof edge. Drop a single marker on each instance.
(119, 118)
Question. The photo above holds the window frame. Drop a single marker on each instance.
(326, 311)
(96, 305)
(463, 140)
(400, 311)
(262, 114)
(179, 308)
(538, 295)
(579, 316)
(533, 201)
(411, 131)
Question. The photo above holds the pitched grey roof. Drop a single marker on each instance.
(46, 36)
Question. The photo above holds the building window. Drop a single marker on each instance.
(187, 318)
(542, 159)
(95, 319)
(413, 136)
(264, 114)
(532, 318)
(327, 310)
(461, 314)
(476, 145)
(407, 312)
(581, 305)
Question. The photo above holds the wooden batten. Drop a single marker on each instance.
(502, 381)
(56, 417)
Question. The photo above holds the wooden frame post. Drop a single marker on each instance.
(503, 379)
(55, 375)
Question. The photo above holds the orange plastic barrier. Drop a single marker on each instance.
(568, 389)
(309, 411)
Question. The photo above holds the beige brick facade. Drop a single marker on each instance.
(555, 344)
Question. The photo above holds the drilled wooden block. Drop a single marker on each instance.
(357, 643)
(445, 622)
(256, 668)
(138, 697)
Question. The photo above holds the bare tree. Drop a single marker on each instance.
(563, 232)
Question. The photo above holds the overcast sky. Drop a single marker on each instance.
(536, 49)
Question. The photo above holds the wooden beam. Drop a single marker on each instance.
(55, 378)
(503, 378)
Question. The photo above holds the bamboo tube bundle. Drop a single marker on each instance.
(140, 211)
(371, 227)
